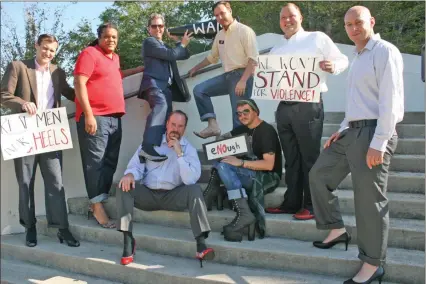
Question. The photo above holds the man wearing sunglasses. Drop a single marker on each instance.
(262, 167)
(161, 83)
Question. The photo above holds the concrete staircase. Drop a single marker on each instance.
(166, 248)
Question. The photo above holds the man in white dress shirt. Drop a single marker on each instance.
(300, 124)
(363, 146)
(165, 185)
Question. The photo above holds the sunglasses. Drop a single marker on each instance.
(157, 26)
(244, 112)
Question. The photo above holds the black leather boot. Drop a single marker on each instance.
(212, 190)
(233, 232)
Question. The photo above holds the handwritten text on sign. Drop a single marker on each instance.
(24, 135)
(288, 78)
(227, 147)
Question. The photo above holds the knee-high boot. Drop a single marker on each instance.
(244, 218)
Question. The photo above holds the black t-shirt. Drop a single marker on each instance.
(264, 140)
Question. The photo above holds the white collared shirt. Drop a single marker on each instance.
(375, 89)
(171, 173)
(45, 91)
(312, 44)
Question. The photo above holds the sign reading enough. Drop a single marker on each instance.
(288, 78)
(24, 135)
(226, 147)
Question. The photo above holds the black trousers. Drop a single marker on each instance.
(99, 155)
(54, 193)
(300, 128)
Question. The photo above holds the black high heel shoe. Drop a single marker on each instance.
(237, 236)
(65, 235)
(380, 272)
(343, 238)
(31, 237)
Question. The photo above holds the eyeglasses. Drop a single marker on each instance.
(157, 26)
(243, 112)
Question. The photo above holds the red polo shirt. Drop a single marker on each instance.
(105, 85)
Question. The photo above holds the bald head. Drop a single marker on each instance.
(361, 11)
(359, 25)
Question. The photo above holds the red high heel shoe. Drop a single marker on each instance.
(207, 254)
(129, 259)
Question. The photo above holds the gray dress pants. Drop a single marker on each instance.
(54, 193)
(344, 156)
(178, 199)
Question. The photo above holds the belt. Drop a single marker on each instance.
(363, 123)
(288, 103)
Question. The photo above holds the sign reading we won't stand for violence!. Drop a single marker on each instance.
(288, 78)
(23, 134)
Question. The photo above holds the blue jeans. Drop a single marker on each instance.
(218, 86)
(235, 179)
(99, 155)
(161, 106)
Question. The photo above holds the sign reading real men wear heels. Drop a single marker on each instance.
(288, 78)
(23, 134)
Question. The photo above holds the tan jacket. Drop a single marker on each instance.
(19, 85)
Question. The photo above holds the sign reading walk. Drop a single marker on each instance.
(23, 134)
(288, 78)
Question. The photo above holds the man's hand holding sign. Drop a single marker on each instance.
(24, 134)
(290, 77)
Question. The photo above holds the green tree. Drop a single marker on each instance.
(18, 47)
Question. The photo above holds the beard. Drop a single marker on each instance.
(174, 134)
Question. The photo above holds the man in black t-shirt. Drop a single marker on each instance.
(238, 174)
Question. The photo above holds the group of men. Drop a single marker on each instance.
(163, 172)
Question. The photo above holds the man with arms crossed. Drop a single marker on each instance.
(363, 146)
(300, 124)
(236, 47)
(29, 86)
(167, 185)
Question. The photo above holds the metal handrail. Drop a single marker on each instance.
(184, 77)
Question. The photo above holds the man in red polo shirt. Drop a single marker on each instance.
(99, 107)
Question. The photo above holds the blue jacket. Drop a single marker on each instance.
(157, 57)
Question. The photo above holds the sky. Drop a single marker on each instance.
(72, 15)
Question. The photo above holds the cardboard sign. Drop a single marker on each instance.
(226, 147)
(23, 134)
(288, 78)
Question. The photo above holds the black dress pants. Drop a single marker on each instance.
(300, 128)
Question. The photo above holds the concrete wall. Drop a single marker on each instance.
(134, 122)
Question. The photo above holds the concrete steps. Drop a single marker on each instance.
(403, 233)
(19, 272)
(399, 162)
(403, 130)
(101, 259)
(403, 266)
(403, 182)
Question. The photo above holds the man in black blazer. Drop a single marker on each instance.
(161, 83)
(29, 86)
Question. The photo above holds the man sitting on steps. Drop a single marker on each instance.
(258, 174)
(166, 185)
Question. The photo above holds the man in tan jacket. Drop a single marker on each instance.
(29, 86)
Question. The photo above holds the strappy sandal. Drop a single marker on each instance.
(109, 225)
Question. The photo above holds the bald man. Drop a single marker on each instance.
(363, 146)
(300, 124)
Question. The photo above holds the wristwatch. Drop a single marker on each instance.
(180, 155)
